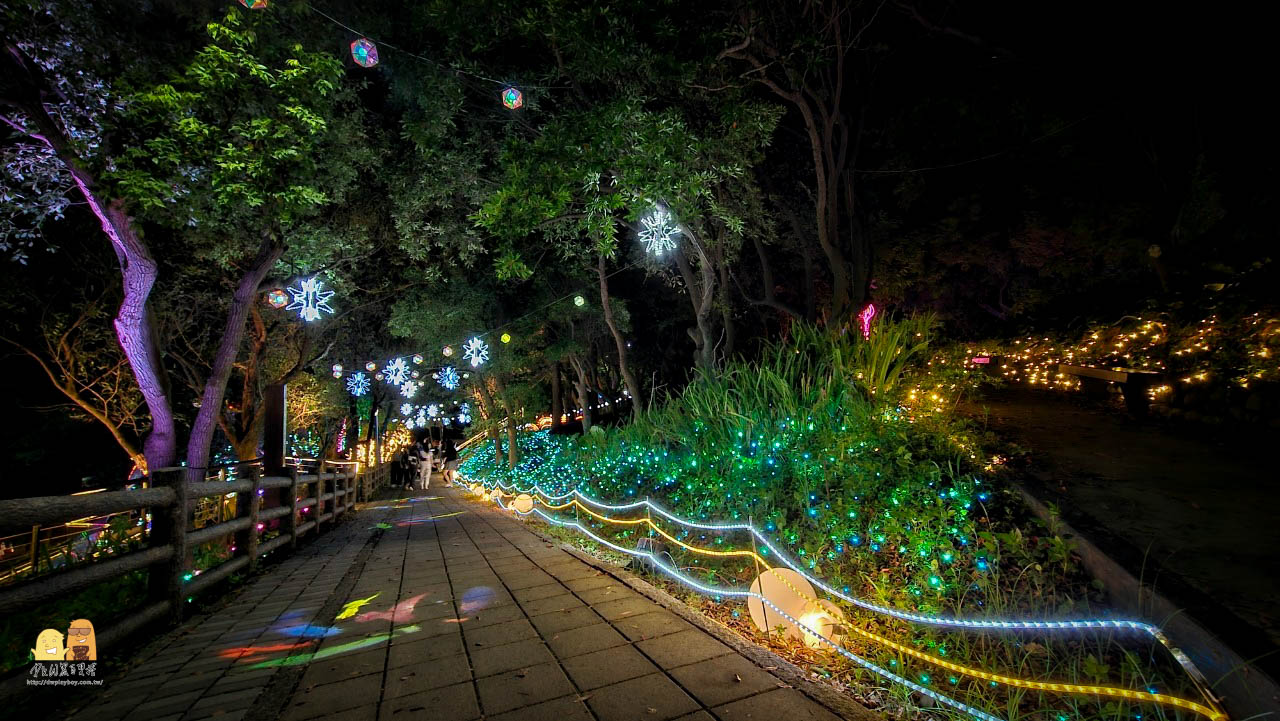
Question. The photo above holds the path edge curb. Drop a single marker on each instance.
(1244, 688)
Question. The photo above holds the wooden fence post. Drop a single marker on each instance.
(169, 528)
(35, 549)
(247, 540)
(292, 489)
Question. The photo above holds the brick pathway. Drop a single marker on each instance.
(474, 617)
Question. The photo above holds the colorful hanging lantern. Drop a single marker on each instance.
(512, 98)
(448, 351)
(337, 370)
(371, 366)
(417, 359)
(277, 298)
(506, 337)
(364, 52)
(579, 301)
(254, 4)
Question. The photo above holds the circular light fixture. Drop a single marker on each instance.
(579, 301)
(448, 351)
(523, 503)
(371, 366)
(506, 337)
(785, 589)
(824, 617)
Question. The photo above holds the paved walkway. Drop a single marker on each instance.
(455, 612)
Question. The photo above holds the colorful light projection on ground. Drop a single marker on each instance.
(327, 652)
(810, 617)
(350, 608)
(475, 599)
(400, 613)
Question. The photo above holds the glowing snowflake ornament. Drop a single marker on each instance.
(659, 233)
(358, 384)
(309, 300)
(476, 351)
(406, 409)
(448, 378)
(397, 372)
(433, 410)
(409, 388)
(364, 52)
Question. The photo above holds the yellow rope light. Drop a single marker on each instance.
(1107, 691)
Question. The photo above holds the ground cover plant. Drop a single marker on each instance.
(829, 447)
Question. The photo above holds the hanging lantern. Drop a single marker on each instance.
(512, 98)
(506, 337)
(254, 4)
(277, 298)
(579, 301)
(378, 376)
(337, 368)
(364, 52)
(448, 351)
(371, 366)
(417, 359)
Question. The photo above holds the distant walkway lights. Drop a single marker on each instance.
(659, 231)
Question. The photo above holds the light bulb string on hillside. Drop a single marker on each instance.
(1118, 624)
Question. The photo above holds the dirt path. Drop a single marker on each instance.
(1197, 516)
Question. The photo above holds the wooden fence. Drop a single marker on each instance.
(310, 497)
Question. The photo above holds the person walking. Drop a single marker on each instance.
(424, 466)
(450, 462)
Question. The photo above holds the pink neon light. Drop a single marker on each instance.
(864, 318)
(982, 359)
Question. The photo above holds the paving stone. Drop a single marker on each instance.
(549, 604)
(587, 639)
(651, 625)
(527, 580)
(490, 661)
(722, 679)
(500, 634)
(555, 622)
(648, 697)
(534, 593)
(424, 650)
(166, 705)
(780, 703)
(224, 703)
(565, 708)
(424, 677)
(523, 687)
(583, 584)
(495, 614)
(330, 697)
(625, 607)
(701, 716)
(449, 703)
(605, 594)
(609, 666)
(680, 649)
(344, 666)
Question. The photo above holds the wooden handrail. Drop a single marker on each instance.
(51, 510)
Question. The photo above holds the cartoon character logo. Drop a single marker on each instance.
(82, 644)
(49, 646)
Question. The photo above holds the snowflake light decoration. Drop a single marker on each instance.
(422, 417)
(476, 351)
(448, 377)
(464, 414)
(364, 52)
(357, 384)
(406, 409)
(309, 300)
(660, 231)
(433, 410)
(397, 372)
(409, 388)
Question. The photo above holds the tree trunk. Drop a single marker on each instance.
(557, 401)
(700, 295)
(513, 450)
(215, 387)
(726, 310)
(491, 409)
(584, 399)
(628, 377)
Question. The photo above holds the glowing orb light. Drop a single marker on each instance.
(371, 366)
(506, 337)
(448, 351)
(417, 359)
(659, 231)
(364, 52)
(277, 298)
(523, 503)
(309, 300)
(512, 98)
(787, 590)
(337, 370)
(827, 619)
(579, 301)
(377, 376)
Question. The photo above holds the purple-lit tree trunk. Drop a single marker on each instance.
(138, 268)
(225, 357)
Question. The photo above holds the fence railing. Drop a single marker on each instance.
(302, 501)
